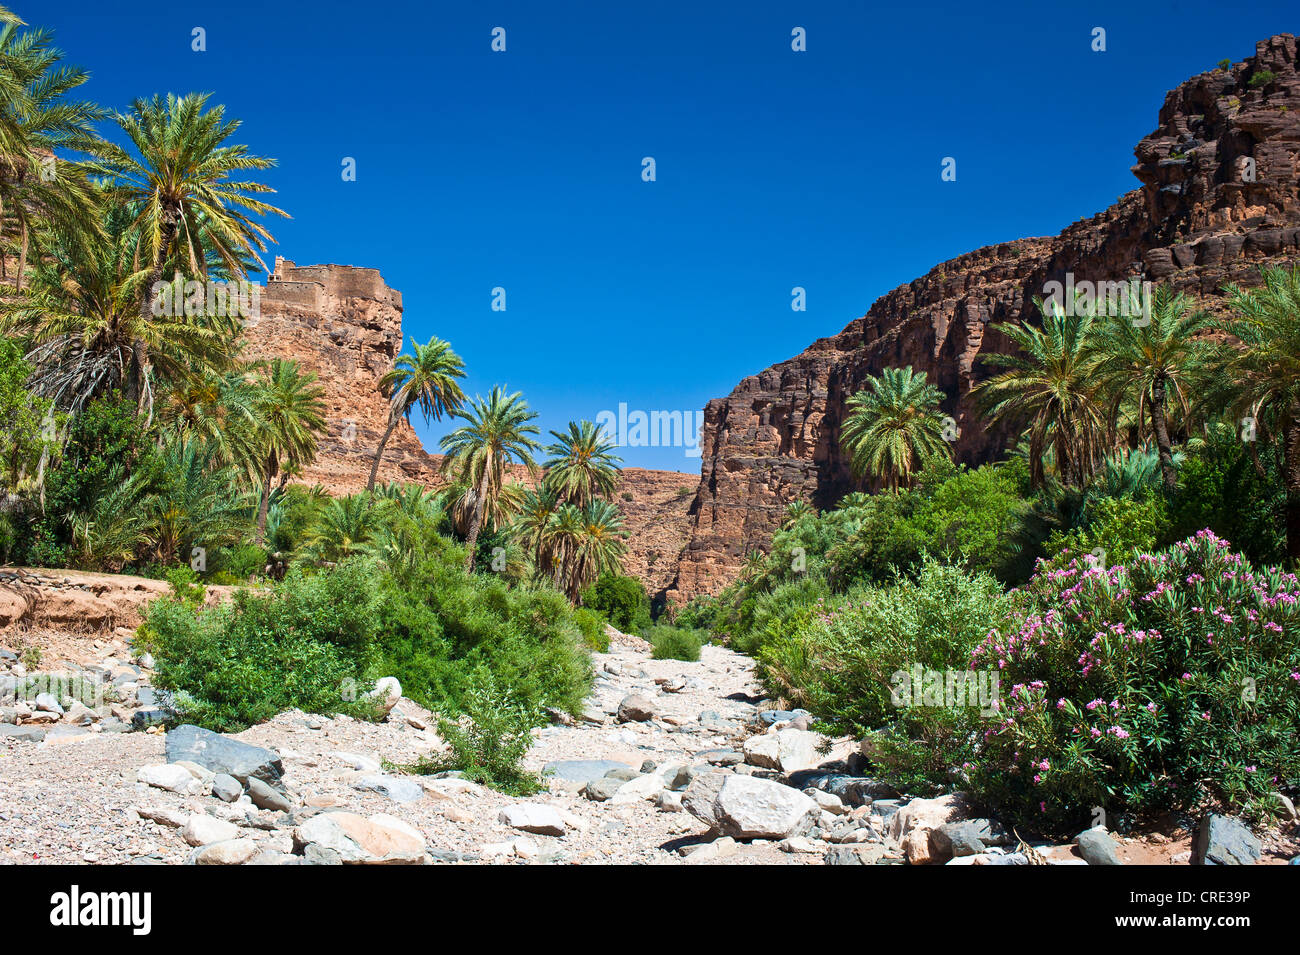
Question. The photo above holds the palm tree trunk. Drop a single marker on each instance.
(1291, 469)
(379, 452)
(146, 307)
(264, 505)
(1160, 426)
(22, 257)
(476, 518)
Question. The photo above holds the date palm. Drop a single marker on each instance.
(290, 414)
(894, 425)
(187, 207)
(498, 432)
(1262, 368)
(426, 379)
(587, 541)
(582, 465)
(532, 526)
(1049, 387)
(82, 319)
(40, 189)
(1157, 356)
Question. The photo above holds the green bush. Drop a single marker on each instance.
(1118, 529)
(489, 743)
(308, 644)
(1167, 684)
(621, 600)
(592, 627)
(673, 643)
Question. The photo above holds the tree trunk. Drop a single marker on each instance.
(146, 307)
(22, 258)
(379, 452)
(1291, 458)
(1160, 426)
(264, 505)
(476, 518)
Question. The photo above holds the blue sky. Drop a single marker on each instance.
(774, 169)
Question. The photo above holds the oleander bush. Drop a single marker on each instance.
(1167, 683)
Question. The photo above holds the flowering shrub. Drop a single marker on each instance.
(1165, 684)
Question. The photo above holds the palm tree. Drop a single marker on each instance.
(796, 511)
(1153, 357)
(1263, 369)
(343, 528)
(894, 426)
(582, 465)
(532, 526)
(1050, 388)
(88, 334)
(39, 190)
(198, 505)
(588, 542)
(498, 433)
(187, 209)
(427, 379)
(290, 413)
(221, 413)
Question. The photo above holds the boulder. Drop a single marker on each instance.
(202, 830)
(1225, 840)
(925, 815)
(230, 852)
(636, 709)
(1097, 847)
(268, 797)
(357, 840)
(746, 807)
(579, 772)
(533, 817)
(787, 750)
(386, 694)
(221, 754)
(174, 779)
(226, 788)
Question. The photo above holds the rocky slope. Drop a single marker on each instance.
(1202, 218)
(345, 324)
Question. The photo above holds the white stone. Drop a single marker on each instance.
(747, 807)
(203, 830)
(169, 776)
(533, 817)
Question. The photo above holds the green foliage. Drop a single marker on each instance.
(592, 627)
(1117, 530)
(1167, 684)
(621, 600)
(1261, 78)
(22, 420)
(307, 644)
(489, 742)
(674, 643)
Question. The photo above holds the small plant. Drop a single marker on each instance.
(673, 643)
(626, 495)
(489, 741)
(592, 626)
(1262, 78)
(1225, 64)
(684, 492)
(31, 657)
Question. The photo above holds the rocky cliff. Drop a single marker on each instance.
(1218, 199)
(345, 325)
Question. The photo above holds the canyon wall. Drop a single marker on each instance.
(345, 325)
(1218, 199)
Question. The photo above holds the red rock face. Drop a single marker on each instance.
(1199, 221)
(345, 325)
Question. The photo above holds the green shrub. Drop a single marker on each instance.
(490, 741)
(592, 627)
(307, 644)
(1118, 529)
(1167, 684)
(673, 643)
(1262, 78)
(621, 600)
